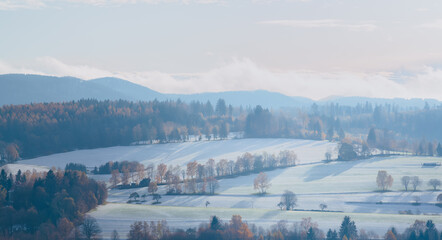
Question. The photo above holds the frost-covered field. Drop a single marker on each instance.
(13, 168)
(349, 188)
(121, 216)
(343, 186)
(182, 153)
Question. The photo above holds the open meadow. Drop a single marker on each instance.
(347, 188)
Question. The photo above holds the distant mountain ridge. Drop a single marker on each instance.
(27, 88)
(405, 103)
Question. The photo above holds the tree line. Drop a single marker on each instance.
(39, 129)
(385, 181)
(196, 177)
(46, 205)
(237, 228)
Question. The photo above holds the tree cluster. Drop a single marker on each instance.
(45, 128)
(195, 178)
(306, 229)
(415, 182)
(46, 205)
(75, 167)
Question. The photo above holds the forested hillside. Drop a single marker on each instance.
(40, 129)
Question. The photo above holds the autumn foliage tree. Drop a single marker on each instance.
(237, 229)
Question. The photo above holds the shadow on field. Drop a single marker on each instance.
(321, 171)
(270, 214)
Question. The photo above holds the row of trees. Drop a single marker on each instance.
(236, 228)
(196, 177)
(46, 205)
(41, 129)
(385, 181)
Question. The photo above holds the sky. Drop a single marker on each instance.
(309, 48)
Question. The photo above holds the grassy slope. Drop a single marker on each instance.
(120, 216)
(182, 153)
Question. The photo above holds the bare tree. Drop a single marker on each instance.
(152, 187)
(156, 198)
(247, 161)
(261, 183)
(287, 158)
(405, 181)
(90, 228)
(176, 181)
(183, 174)
(115, 178)
(150, 171)
(212, 184)
(288, 200)
(222, 166)
(141, 172)
(323, 206)
(416, 182)
(134, 195)
(210, 166)
(191, 169)
(435, 183)
(231, 167)
(161, 171)
(328, 156)
(125, 178)
(384, 180)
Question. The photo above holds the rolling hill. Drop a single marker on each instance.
(27, 88)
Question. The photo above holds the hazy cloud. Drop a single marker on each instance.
(6, 68)
(244, 74)
(322, 23)
(17, 4)
(436, 24)
(119, 2)
(35, 4)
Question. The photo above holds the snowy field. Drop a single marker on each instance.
(121, 216)
(13, 168)
(182, 153)
(343, 186)
(348, 188)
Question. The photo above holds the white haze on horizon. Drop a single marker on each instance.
(244, 74)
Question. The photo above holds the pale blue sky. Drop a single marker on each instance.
(308, 48)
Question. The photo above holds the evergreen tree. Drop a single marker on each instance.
(371, 138)
(341, 134)
(208, 109)
(51, 183)
(430, 149)
(346, 152)
(439, 150)
(221, 108)
(332, 235)
(223, 130)
(215, 223)
(348, 229)
(330, 133)
(431, 232)
(311, 234)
